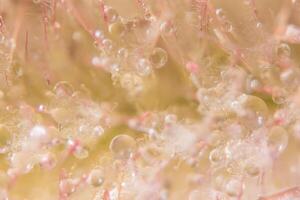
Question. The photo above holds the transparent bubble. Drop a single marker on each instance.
(99, 34)
(67, 187)
(252, 169)
(234, 187)
(277, 140)
(111, 14)
(253, 84)
(131, 82)
(122, 146)
(117, 29)
(259, 25)
(216, 156)
(279, 95)
(158, 57)
(63, 88)
(98, 130)
(48, 161)
(81, 152)
(255, 104)
(220, 13)
(96, 177)
(170, 119)
(290, 77)
(39, 134)
(215, 139)
(123, 53)
(144, 67)
(108, 44)
(283, 50)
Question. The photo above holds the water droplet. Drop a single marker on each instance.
(67, 187)
(253, 84)
(63, 88)
(215, 139)
(216, 156)
(81, 152)
(252, 169)
(234, 187)
(220, 13)
(279, 95)
(131, 82)
(144, 67)
(170, 119)
(158, 57)
(277, 140)
(122, 146)
(123, 53)
(283, 50)
(117, 29)
(99, 34)
(111, 14)
(39, 134)
(107, 44)
(290, 77)
(96, 177)
(258, 25)
(48, 161)
(98, 131)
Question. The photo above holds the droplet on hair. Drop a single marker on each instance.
(144, 67)
(111, 14)
(158, 57)
(277, 139)
(96, 177)
(63, 88)
(122, 146)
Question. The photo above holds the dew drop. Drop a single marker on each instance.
(258, 25)
(107, 44)
(122, 146)
(123, 53)
(144, 67)
(252, 169)
(111, 14)
(48, 161)
(170, 119)
(67, 187)
(220, 13)
(39, 134)
(158, 57)
(96, 177)
(63, 88)
(277, 140)
(81, 152)
(283, 50)
(216, 156)
(233, 187)
(279, 95)
(98, 131)
(117, 29)
(131, 82)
